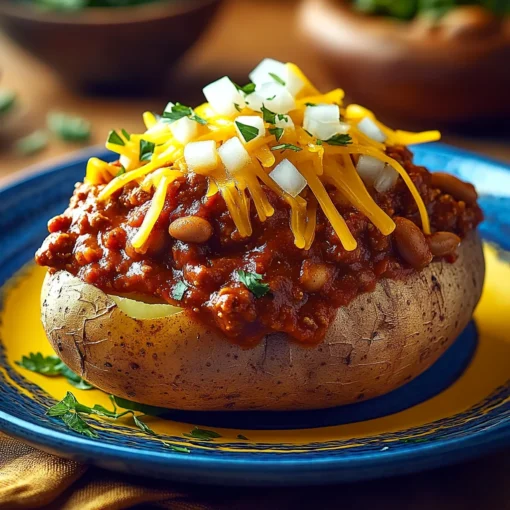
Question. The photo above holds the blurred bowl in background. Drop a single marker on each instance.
(124, 50)
(419, 72)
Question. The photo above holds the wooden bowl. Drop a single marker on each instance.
(417, 72)
(119, 50)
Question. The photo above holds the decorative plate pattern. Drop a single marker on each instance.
(459, 408)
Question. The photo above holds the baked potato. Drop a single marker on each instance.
(378, 342)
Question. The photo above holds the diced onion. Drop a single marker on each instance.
(386, 180)
(201, 157)
(253, 121)
(233, 155)
(285, 123)
(323, 121)
(261, 75)
(287, 176)
(325, 113)
(368, 127)
(223, 95)
(184, 129)
(369, 169)
(127, 163)
(273, 96)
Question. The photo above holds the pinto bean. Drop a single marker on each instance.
(443, 243)
(411, 243)
(314, 275)
(458, 189)
(191, 229)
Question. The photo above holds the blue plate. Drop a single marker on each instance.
(458, 409)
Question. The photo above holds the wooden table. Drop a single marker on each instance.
(234, 50)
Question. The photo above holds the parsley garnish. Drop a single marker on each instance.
(277, 132)
(146, 150)
(270, 98)
(52, 366)
(282, 116)
(267, 115)
(253, 282)
(68, 127)
(114, 137)
(32, 143)
(307, 132)
(277, 79)
(121, 171)
(203, 434)
(286, 146)
(248, 132)
(319, 141)
(180, 288)
(7, 100)
(310, 104)
(178, 111)
(127, 136)
(339, 140)
(69, 410)
(175, 448)
(247, 89)
(240, 436)
(238, 108)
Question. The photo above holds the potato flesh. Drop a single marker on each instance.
(139, 310)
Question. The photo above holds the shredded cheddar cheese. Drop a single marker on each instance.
(325, 165)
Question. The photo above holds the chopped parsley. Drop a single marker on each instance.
(339, 140)
(115, 138)
(248, 132)
(286, 146)
(267, 115)
(244, 438)
(277, 132)
(146, 150)
(237, 107)
(310, 104)
(121, 171)
(203, 434)
(178, 111)
(176, 448)
(277, 79)
(282, 116)
(178, 291)
(253, 282)
(7, 101)
(247, 89)
(52, 366)
(319, 141)
(270, 98)
(127, 136)
(68, 127)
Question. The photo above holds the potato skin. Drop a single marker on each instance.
(380, 341)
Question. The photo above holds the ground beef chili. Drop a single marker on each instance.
(92, 241)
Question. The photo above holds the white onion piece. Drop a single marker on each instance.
(368, 127)
(287, 176)
(369, 169)
(253, 121)
(273, 96)
(184, 129)
(325, 131)
(201, 156)
(261, 75)
(159, 127)
(233, 155)
(386, 180)
(168, 107)
(141, 310)
(285, 123)
(324, 113)
(223, 95)
(127, 163)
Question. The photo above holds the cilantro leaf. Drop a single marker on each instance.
(76, 423)
(277, 79)
(121, 171)
(68, 127)
(36, 362)
(237, 107)
(179, 289)
(203, 434)
(310, 104)
(127, 136)
(277, 132)
(267, 115)
(253, 282)
(74, 379)
(178, 111)
(282, 116)
(68, 403)
(7, 101)
(143, 426)
(240, 436)
(176, 448)
(146, 150)
(339, 140)
(270, 98)
(248, 132)
(247, 89)
(135, 406)
(286, 146)
(115, 139)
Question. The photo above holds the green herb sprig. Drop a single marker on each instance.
(178, 111)
(253, 282)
